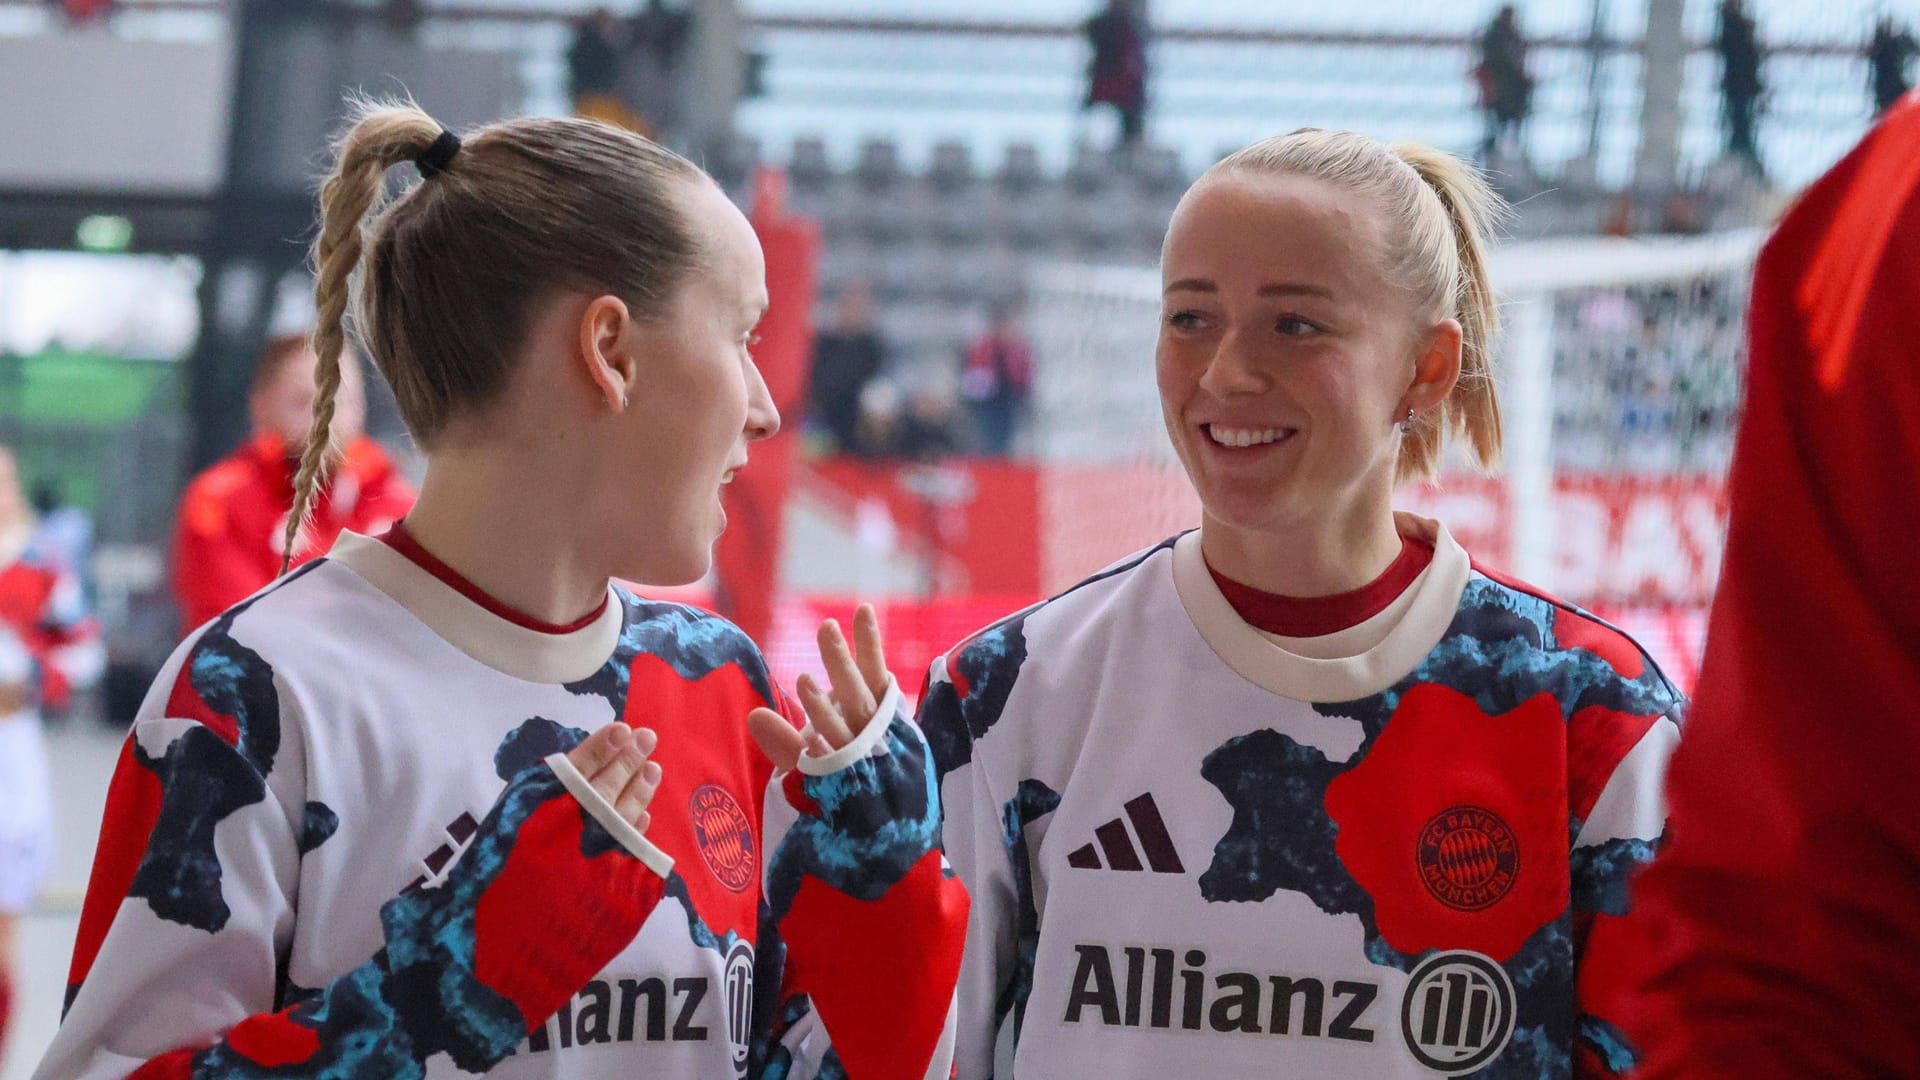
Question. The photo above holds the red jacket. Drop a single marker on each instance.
(1785, 915)
(227, 542)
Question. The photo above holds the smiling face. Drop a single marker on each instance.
(1286, 355)
(698, 399)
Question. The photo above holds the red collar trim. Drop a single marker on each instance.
(1318, 616)
(402, 541)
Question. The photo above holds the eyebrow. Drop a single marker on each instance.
(1290, 288)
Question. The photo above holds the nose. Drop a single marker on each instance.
(763, 417)
(1230, 370)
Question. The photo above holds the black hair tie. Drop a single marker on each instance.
(434, 159)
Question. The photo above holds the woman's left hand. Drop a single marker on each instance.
(835, 716)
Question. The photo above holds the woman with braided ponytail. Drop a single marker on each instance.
(448, 799)
(1306, 791)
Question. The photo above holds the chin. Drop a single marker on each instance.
(670, 569)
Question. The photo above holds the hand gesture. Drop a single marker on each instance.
(839, 714)
(614, 761)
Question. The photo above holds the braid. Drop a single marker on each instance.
(383, 138)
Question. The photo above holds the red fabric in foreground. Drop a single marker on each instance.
(1316, 616)
(1783, 920)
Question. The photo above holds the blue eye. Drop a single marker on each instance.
(1295, 326)
(1183, 320)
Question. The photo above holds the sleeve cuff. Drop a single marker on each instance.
(863, 744)
(603, 812)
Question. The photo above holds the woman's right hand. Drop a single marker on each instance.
(614, 761)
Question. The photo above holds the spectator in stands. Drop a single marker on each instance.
(84, 11)
(594, 62)
(227, 542)
(997, 380)
(1888, 55)
(845, 359)
(402, 16)
(65, 532)
(1505, 88)
(1118, 74)
(1738, 43)
(895, 426)
(648, 81)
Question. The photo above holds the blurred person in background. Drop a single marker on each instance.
(996, 380)
(1784, 915)
(65, 531)
(649, 74)
(1117, 74)
(1888, 54)
(595, 62)
(1308, 791)
(1737, 40)
(899, 426)
(49, 647)
(227, 540)
(846, 357)
(1505, 87)
(84, 11)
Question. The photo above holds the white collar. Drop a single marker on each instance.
(498, 643)
(1430, 604)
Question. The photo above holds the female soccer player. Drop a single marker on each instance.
(447, 800)
(1304, 792)
(49, 646)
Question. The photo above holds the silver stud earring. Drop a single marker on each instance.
(1408, 422)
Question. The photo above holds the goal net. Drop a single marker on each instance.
(1620, 370)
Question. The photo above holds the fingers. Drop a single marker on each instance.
(614, 761)
(778, 739)
(867, 652)
(850, 690)
(825, 716)
(638, 794)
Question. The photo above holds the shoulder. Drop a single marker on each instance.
(1572, 634)
(693, 642)
(968, 688)
(1083, 606)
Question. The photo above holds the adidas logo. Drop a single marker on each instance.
(1117, 844)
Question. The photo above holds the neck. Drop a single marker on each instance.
(499, 520)
(1320, 556)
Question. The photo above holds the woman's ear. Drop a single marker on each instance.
(606, 349)
(1436, 367)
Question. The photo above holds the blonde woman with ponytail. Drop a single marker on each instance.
(1305, 791)
(449, 801)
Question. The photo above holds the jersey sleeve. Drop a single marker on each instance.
(984, 840)
(179, 961)
(868, 913)
(1618, 766)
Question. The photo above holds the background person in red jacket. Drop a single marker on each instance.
(1785, 913)
(227, 541)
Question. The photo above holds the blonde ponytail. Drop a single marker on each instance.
(381, 138)
(1472, 410)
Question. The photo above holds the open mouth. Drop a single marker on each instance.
(1240, 438)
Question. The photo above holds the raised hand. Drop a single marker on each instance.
(836, 716)
(614, 761)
